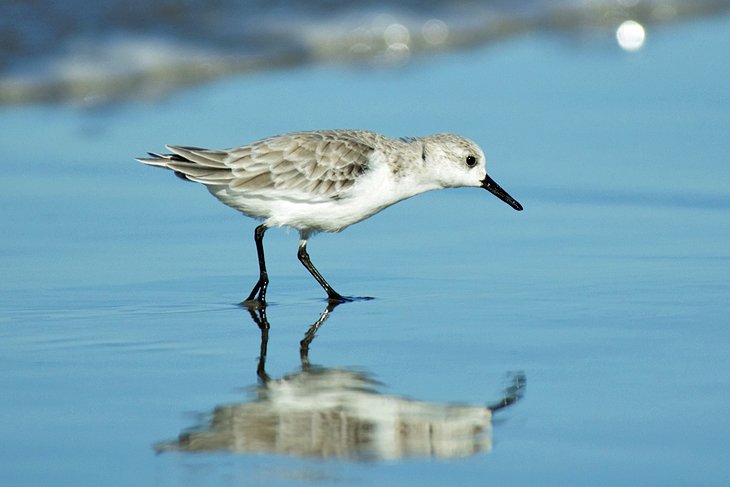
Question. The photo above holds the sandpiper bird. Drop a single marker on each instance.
(324, 181)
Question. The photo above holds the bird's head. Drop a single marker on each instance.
(458, 162)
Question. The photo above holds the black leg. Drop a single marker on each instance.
(304, 259)
(259, 290)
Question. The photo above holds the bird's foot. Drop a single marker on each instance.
(336, 298)
(257, 297)
(255, 303)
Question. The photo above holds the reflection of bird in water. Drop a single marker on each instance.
(339, 413)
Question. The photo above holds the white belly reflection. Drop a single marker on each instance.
(322, 412)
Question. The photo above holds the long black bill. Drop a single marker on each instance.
(497, 191)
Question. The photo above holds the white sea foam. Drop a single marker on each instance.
(111, 50)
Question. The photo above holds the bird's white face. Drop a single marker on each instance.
(458, 162)
(455, 161)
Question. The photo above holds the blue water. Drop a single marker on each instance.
(118, 324)
(92, 54)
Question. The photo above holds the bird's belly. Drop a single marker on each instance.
(317, 213)
(330, 216)
(325, 215)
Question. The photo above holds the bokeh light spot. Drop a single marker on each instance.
(630, 35)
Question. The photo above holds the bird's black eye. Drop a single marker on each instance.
(471, 161)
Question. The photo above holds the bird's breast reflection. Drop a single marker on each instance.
(340, 413)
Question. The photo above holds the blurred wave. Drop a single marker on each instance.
(95, 52)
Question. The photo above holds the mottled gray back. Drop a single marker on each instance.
(324, 163)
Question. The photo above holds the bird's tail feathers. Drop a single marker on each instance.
(193, 164)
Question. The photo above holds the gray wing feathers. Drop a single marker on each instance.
(319, 163)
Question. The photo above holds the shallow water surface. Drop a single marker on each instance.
(607, 296)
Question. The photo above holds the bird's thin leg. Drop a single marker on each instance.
(304, 259)
(263, 282)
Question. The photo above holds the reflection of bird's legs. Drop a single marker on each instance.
(258, 314)
(309, 336)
